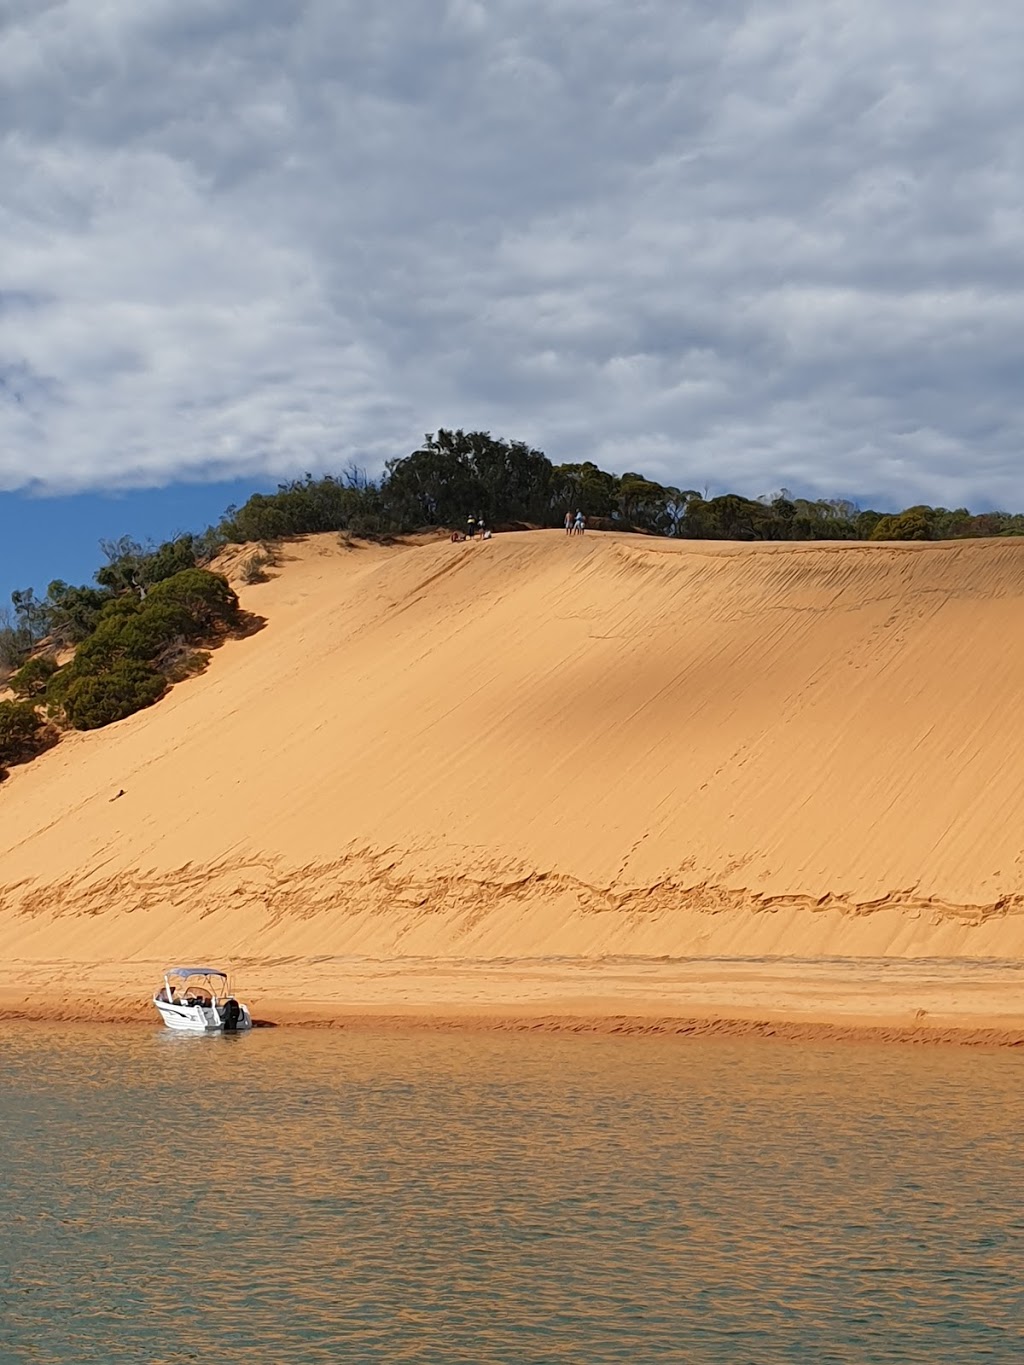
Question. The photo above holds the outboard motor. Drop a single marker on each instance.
(232, 1014)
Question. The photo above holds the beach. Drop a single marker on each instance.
(541, 781)
(967, 1003)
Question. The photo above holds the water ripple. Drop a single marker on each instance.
(295, 1196)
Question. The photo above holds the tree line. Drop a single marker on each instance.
(139, 624)
(455, 474)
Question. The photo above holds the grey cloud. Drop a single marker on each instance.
(735, 244)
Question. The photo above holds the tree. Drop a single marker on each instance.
(32, 677)
(515, 479)
(583, 487)
(168, 559)
(72, 613)
(435, 485)
(29, 613)
(18, 636)
(865, 524)
(915, 523)
(122, 573)
(455, 474)
(13, 645)
(644, 504)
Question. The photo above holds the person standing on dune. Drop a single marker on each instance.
(581, 524)
(568, 523)
(470, 526)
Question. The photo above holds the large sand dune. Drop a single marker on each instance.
(538, 746)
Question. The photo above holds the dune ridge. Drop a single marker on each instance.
(538, 746)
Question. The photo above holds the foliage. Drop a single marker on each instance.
(133, 569)
(916, 523)
(20, 632)
(13, 646)
(72, 613)
(29, 613)
(207, 599)
(21, 732)
(309, 505)
(173, 557)
(32, 677)
(585, 488)
(127, 687)
(56, 691)
(138, 644)
(456, 474)
(140, 635)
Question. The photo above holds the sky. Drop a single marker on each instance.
(59, 536)
(741, 244)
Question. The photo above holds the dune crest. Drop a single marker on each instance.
(538, 745)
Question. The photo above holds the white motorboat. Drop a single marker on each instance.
(197, 1000)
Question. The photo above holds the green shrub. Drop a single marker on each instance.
(21, 729)
(118, 607)
(155, 626)
(72, 613)
(32, 677)
(56, 691)
(208, 598)
(126, 662)
(140, 635)
(105, 647)
(129, 686)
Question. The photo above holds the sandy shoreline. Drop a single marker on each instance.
(916, 1001)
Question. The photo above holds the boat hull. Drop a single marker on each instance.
(199, 1018)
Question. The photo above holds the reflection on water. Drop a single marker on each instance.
(303, 1196)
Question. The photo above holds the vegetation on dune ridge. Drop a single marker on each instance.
(455, 474)
(133, 637)
(141, 624)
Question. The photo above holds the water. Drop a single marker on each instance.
(303, 1196)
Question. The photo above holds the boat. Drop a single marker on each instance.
(197, 1000)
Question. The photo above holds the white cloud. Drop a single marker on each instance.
(740, 244)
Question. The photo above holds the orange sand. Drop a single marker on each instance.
(536, 747)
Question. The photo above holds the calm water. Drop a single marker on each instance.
(302, 1196)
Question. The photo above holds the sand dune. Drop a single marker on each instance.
(539, 746)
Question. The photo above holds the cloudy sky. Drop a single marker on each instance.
(733, 243)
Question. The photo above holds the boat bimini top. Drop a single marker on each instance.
(183, 973)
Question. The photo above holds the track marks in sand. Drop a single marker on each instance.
(369, 901)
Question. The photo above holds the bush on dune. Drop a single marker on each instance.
(140, 636)
(129, 686)
(32, 677)
(140, 646)
(22, 732)
(206, 598)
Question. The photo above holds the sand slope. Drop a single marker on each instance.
(536, 746)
